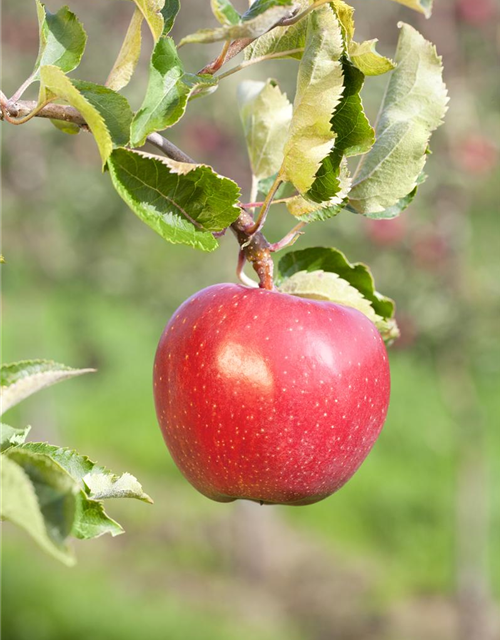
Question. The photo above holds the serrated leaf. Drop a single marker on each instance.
(289, 41)
(62, 40)
(183, 203)
(91, 520)
(55, 84)
(310, 211)
(66, 127)
(400, 206)
(113, 107)
(9, 436)
(321, 285)
(413, 107)
(169, 13)
(363, 55)
(224, 12)
(167, 94)
(21, 379)
(152, 10)
(39, 496)
(422, 6)
(266, 114)
(106, 485)
(332, 260)
(259, 7)
(128, 56)
(368, 60)
(345, 15)
(319, 89)
(80, 468)
(353, 135)
(251, 27)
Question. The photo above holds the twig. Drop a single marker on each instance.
(261, 218)
(255, 246)
(234, 48)
(248, 63)
(289, 239)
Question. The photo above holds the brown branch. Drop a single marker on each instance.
(234, 48)
(255, 246)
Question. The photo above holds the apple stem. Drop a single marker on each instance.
(255, 249)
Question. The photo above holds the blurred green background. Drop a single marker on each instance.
(409, 549)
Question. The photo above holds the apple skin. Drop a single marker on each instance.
(269, 397)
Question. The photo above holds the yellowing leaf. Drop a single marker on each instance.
(151, 10)
(422, 6)
(319, 89)
(414, 105)
(266, 114)
(128, 56)
(56, 84)
(309, 211)
(251, 28)
(368, 60)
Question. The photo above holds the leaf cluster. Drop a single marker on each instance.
(300, 152)
(53, 493)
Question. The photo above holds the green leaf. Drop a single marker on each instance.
(62, 40)
(266, 114)
(113, 107)
(321, 285)
(55, 84)
(422, 6)
(167, 94)
(128, 56)
(251, 26)
(88, 475)
(319, 89)
(169, 13)
(353, 135)
(259, 7)
(66, 127)
(334, 261)
(288, 42)
(400, 206)
(152, 10)
(414, 105)
(367, 60)
(224, 12)
(308, 210)
(21, 379)
(183, 203)
(91, 520)
(9, 436)
(39, 497)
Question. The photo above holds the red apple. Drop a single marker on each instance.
(269, 397)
